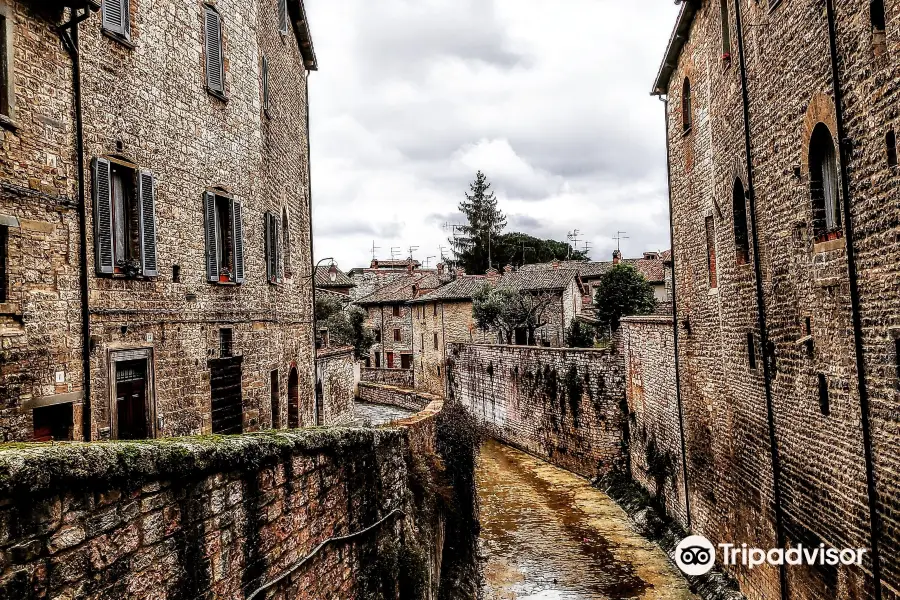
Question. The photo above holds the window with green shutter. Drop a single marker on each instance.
(117, 18)
(215, 57)
(224, 234)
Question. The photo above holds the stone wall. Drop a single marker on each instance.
(819, 465)
(389, 395)
(654, 422)
(563, 405)
(220, 517)
(398, 377)
(336, 376)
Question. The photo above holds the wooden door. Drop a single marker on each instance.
(294, 399)
(132, 420)
(226, 395)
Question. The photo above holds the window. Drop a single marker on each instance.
(435, 341)
(823, 184)
(891, 142)
(406, 361)
(265, 84)
(176, 273)
(124, 219)
(397, 335)
(226, 342)
(741, 239)
(377, 333)
(876, 10)
(224, 238)
(711, 252)
(53, 423)
(285, 245)
(726, 32)
(215, 57)
(824, 402)
(273, 248)
(396, 311)
(377, 360)
(7, 45)
(423, 343)
(117, 18)
(283, 21)
(435, 309)
(275, 399)
(751, 350)
(686, 116)
(4, 266)
(439, 370)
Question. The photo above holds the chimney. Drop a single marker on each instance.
(374, 264)
(651, 255)
(617, 257)
(508, 269)
(492, 274)
(460, 272)
(410, 267)
(556, 264)
(440, 268)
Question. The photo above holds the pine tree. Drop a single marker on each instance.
(473, 247)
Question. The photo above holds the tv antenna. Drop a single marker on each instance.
(395, 252)
(587, 248)
(619, 237)
(441, 252)
(453, 228)
(428, 261)
(374, 249)
(573, 237)
(411, 250)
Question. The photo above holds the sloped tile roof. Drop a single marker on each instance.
(462, 288)
(323, 278)
(403, 289)
(652, 270)
(538, 280)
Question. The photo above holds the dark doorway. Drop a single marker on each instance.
(276, 400)
(227, 397)
(320, 403)
(293, 399)
(406, 361)
(53, 423)
(521, 336)
(377, 360)
(132, 420)
(390, 360)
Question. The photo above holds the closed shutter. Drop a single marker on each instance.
(103, 244)
(212, 255)
(271, 242)
(238, 237)
(116, 17)
(282, 16)
(276, 247)
(215, 72)
(265, 83)
(147, 208)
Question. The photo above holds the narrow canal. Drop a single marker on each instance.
(548, 535)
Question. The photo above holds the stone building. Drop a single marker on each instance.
(390, 318)
(440, 317)
(378, 274)
(197, 225)
(781, 131)
(561, 290)
(334, 280)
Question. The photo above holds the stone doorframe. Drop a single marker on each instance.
(115, 357)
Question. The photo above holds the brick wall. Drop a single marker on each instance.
(219, 517)
(564, 405)
(654, 422)
(389, 395)
(823, 474)
(336, 374)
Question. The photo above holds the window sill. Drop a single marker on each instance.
(118, 38)
(7, 123)
(828, 246)
(10, 309)
(687, 132)
(218, 95)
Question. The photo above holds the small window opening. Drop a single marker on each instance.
(823, 184)
(5, 69)
(397, 335)
(439, 370)
(741, 238)
(824, 402)
(808, 325)
(286, 244)
(891, 142)
(377, 333)
(751, 350)
(4, 264)
(53, 423)
(226, 342)
(435, 341)
(396, 311)
(876, 10)
(406, 361)
(726, 32)
(711, 252)
(275, 399)
(176, 273)
(435, 310)
(686, 116)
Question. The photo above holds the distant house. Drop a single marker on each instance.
(380, 273)
(334, 280)
(565, 293)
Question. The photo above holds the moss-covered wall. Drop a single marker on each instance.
(218, 517)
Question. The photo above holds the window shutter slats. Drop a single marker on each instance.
(147, 208)
(270, 272)
(265, 83)
(116, 17)
(212, 260)
(276, 247)
(237, 213)
(103, 245)
(282, 16)
(215, 78)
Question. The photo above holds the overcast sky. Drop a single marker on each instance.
(550, 98)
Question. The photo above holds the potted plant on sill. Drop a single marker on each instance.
(225, 275)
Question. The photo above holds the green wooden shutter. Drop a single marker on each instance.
(147, 209)
(270, 247)
(215, 71)
(212, 256)
(238, 238)
(116, 17)
(103, 244)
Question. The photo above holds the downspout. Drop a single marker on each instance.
(69, 34)
(312, 265)
(684, 470)
(761, 308)
(855, 302)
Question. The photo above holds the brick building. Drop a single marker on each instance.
(197, 225)
(781, 130)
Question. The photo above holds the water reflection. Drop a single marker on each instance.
(547, 535)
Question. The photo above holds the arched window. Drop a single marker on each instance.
(741, 239)
(686, 117)
(823, 184)
(726, 31)
(891, 142)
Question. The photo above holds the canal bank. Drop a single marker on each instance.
(548, 535)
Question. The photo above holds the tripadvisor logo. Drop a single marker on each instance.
(696, 555)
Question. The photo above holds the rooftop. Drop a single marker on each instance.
(462, 288)
(676, 44)
(402, 290)
(324, 280)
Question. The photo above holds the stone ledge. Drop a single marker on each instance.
(649, 319)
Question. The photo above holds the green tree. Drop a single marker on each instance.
(516, 249)
(579, 335)
(622, 291)
(345, 324)
(504, 311)
(473, 246)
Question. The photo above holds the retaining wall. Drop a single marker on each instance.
(389, 395)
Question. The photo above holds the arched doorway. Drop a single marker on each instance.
(293, 399)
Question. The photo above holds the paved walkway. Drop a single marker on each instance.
(373, 415)
(548, 535)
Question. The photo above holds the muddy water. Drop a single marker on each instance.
(548, 535)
